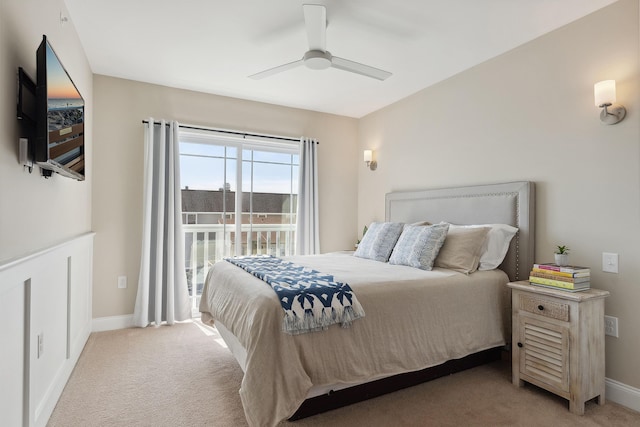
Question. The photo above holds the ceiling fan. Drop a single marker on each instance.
(318, 57)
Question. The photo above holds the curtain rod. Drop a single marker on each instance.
(244, 134)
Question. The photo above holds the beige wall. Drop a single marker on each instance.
(36, 212)
(121, 105)
(529, 115)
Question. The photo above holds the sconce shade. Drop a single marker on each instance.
(368, 160)
(604, 92)
(368, 155)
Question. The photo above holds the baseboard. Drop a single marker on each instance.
(622, 394)
(112, 322)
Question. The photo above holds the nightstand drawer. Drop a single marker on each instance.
(544, 307)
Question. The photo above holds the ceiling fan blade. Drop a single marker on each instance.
(315, 19)
(356, 67)
(276, 70)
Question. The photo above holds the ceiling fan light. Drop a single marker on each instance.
(317, 60)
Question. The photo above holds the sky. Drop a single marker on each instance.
(59, 85)
(202, 167)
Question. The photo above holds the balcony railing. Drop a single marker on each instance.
(207, 243)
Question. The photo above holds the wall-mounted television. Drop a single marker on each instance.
(58, 145)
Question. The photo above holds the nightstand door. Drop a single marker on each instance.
(544, 354)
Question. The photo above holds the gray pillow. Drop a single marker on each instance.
(462, 249)
(418, 246)
(379, 241)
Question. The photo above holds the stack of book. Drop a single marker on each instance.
(568, 277)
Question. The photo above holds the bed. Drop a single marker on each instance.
(416, 328)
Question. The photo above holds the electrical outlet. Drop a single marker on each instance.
(611, 326)
(40, 344)
(24, 152)
(122, 282)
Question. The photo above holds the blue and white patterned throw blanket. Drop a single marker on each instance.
(312, 301)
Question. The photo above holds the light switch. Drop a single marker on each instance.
(609, 262)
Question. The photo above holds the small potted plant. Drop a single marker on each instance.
(364, 231)
(562, 255)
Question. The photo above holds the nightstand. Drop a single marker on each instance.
(558, 341)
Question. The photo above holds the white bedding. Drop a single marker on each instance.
(414, 319)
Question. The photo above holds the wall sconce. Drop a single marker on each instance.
(605, 95)
(368, 160)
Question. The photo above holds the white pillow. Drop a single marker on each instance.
(496, 244)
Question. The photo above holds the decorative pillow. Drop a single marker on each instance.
(419, 245)
(379, 241)
(462, 248)
(496, 245)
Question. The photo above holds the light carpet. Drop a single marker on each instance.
(183, 375)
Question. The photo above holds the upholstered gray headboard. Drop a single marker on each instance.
(510, 203)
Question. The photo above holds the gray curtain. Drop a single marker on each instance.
(307, 225)
(162, 286)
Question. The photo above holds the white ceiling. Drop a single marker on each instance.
(214, 45)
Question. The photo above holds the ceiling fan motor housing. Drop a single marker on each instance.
(317, 59)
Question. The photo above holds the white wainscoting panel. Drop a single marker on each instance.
(45, 298)
(12, 342)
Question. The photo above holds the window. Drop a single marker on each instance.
(239, 197)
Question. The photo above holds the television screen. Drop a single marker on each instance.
(60, 122)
